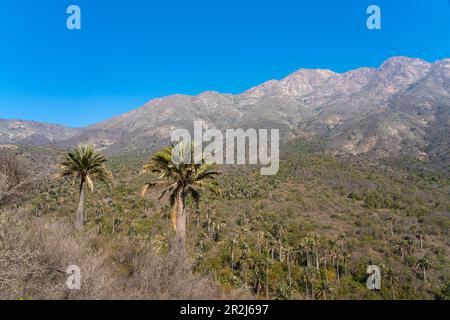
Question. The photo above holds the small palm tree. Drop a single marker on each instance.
(391, 277)
(180, 180)
(325, 291)
(86, 166)
(160, 243)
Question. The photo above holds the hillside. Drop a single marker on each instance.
(401, 108)
(341, 214)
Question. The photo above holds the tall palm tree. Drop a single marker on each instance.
(232, 248)
(424, 265)
(346, 256)
(289, 255)
(401, 248)
(257, 264)
(391, 277)
(306, 248)
(418, 235)
(324, 257)
(244, 259)
(180, 180)
(86, 166)
(310, 277)
(316, 245)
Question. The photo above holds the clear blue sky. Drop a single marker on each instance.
(130, 51)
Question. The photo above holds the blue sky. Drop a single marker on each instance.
(129, 52)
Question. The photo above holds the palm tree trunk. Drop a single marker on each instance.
(280, 251)
(289, 269)
(393, 293)
(267, 280)
(79, 222)
(317, 259)
(258, 288)
(337, 272)
(181, 223)
(307, 290)
(326, 271)
(232, 255)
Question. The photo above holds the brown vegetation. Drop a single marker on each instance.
(35, 253)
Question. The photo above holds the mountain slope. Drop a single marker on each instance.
(399, 108)
(31, 132)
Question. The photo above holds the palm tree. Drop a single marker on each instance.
(306, 248)
(409, 245)
(418, 235)
(310, 276)
(391, 277)
(325, 291)
(160, 243)
(346, 256)
(324, 257)
(424, 265)
(390, 222)
(267, 270)
(244, 259)
(180, 180)
(316, 245)
(257, 263)
(401, 248)
(335, 254)
(231, 245)
(86, 166)
(289, 254)
(283, 292)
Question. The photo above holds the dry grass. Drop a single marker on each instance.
(35, 252)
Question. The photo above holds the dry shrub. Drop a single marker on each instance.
(35, 252)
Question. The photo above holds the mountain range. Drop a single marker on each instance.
(400, 108)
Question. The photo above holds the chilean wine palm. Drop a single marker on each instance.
(325, 291)
(391, 277)
(180, 179)
(424, 265)
(86, 166)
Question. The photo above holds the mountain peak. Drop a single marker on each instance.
(402, 62)
(313, 72)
